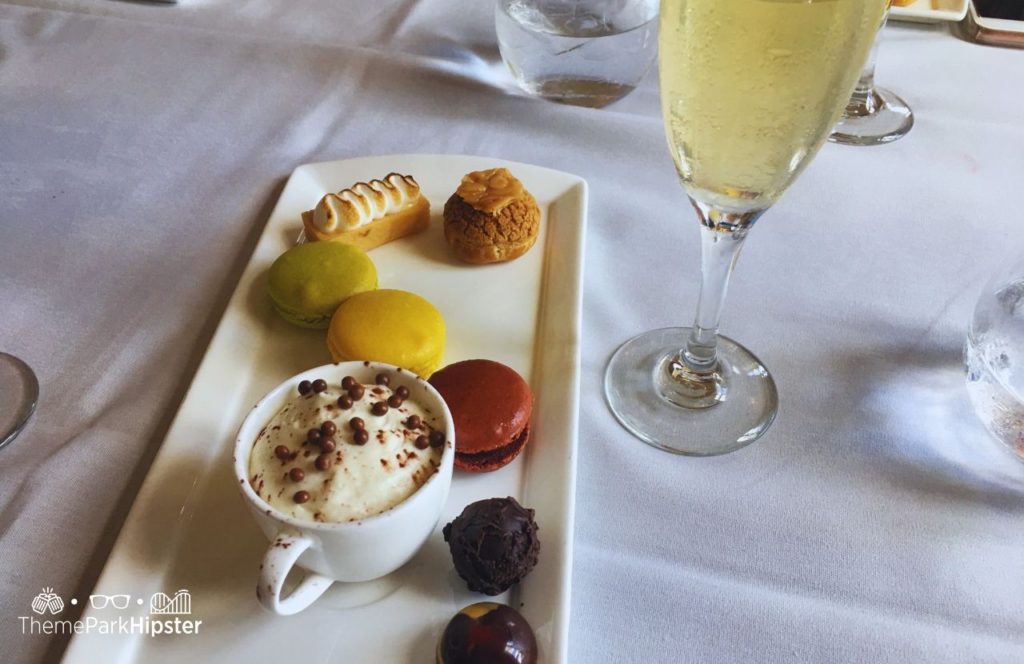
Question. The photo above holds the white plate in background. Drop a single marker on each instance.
(930, 11)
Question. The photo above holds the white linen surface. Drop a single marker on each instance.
(142, 147)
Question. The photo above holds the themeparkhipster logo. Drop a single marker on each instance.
(165, 615)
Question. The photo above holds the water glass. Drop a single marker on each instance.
(580, 52)
(994, 355)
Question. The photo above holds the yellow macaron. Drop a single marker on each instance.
(387, 325)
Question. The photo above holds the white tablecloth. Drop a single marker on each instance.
(142, 147)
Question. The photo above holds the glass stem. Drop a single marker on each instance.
(864, 100)
(698, 383)
(719, 251)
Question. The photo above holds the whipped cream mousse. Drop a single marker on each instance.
(343, 454)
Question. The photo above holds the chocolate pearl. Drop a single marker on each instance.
(323, 462)
(379, 409)
(348, 382)
(395, 401)
(436, 439)
(361, 436)
(356, 392)
(357, 423)
(328, 428)
(382, 379)
(422, 442)
(402, 392)
(344, 402)
(413, 422)
(301, 496)
(297, 474)
(282, 452)
(313, 436)
(319, 385)
(305, 387)
(327, 444)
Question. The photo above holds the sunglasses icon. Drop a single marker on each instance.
(117, 601)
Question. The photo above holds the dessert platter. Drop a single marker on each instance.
(928, 11)
(379, 446)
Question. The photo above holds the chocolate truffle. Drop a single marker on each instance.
(487, 633)
(493, 544)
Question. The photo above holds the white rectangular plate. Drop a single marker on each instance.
(189, 529)
(930, 11)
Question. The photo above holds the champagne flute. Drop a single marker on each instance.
(874, 115)
(750, 90)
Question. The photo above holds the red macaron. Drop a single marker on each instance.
(491, 406)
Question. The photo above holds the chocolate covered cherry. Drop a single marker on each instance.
(487, 633)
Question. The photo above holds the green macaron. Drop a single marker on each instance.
(308, 282)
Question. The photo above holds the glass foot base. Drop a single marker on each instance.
(19, 391)
(639, 375)
(882, 118)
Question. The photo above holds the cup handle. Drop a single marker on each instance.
(281, 556)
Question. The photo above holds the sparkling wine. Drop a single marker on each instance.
(751, 89)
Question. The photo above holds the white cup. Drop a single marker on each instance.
(350, 551)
